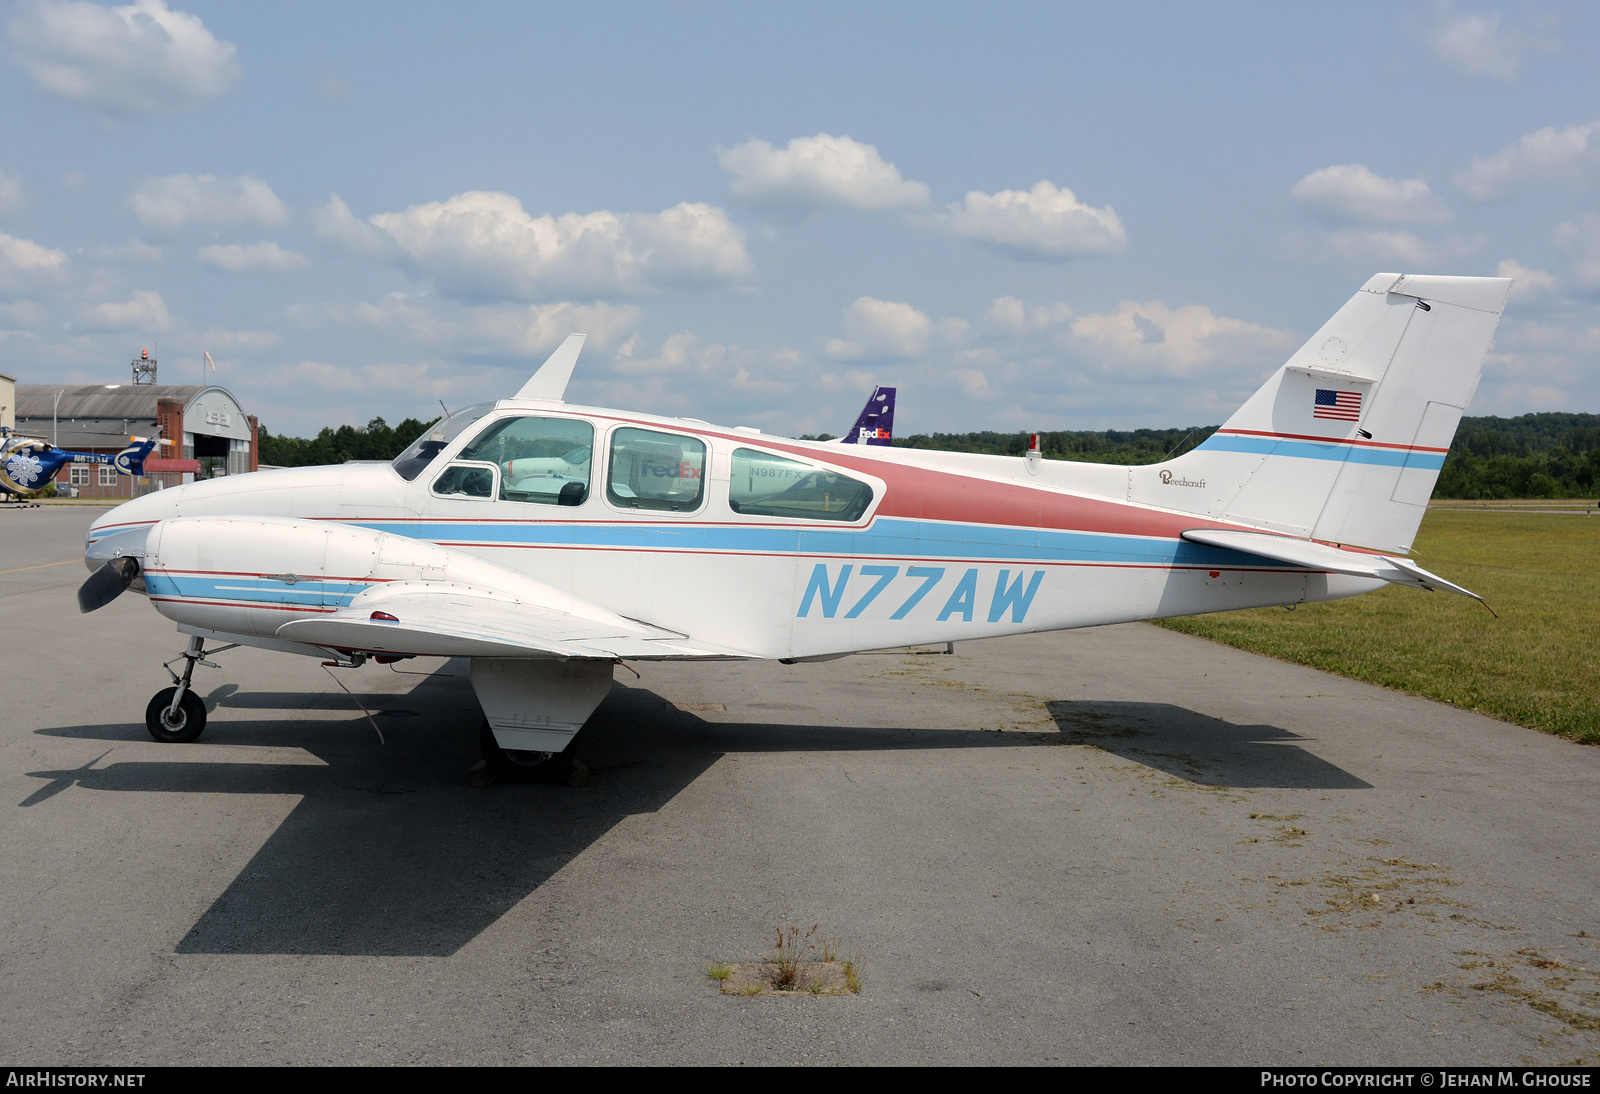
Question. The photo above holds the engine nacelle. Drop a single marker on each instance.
(251, 575)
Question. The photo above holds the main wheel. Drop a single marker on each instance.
(175, 726)
(512, 765)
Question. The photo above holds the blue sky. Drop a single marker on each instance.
(1027, 217)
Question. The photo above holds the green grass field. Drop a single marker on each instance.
(1536, 665)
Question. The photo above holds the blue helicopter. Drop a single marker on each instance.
(29, 464)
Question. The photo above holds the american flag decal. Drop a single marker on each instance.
(1343, 406)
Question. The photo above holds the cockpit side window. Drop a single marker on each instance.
(651, 470)
(466, 480)
(420, 453)
(546, 461)
(765, 485)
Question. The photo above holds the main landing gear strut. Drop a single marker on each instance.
(176, 714)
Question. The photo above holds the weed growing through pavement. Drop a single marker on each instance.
(852, 973)
(789, 949)
(802, 963)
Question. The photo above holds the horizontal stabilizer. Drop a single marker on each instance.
(440, 619)
(1320, 556)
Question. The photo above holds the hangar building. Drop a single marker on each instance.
(211, 433)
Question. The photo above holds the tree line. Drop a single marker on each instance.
(376, 440)
(1552, 455)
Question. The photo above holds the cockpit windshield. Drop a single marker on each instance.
(420, 454)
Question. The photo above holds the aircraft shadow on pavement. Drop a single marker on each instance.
(1199, 748)
(388, 853)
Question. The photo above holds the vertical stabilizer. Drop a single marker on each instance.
(875, 424)
(550, 382)
(130, 461)
(1345, 442)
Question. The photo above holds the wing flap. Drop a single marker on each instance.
(1320, 556)
(447, 620)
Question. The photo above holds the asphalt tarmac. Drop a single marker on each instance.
(1120, 845)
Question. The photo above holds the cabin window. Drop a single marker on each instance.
(435, 439)
(765, 485)
(467, 480)
(651, 470)
(541, 460)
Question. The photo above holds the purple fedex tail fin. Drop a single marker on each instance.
(876, 423)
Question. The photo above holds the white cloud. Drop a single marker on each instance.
(143, 58)
(1365, 247)
(721, 382)
(881, 330)
(167, 203)
(483, 244)
(1580, 239)
(1394, 246)
(523, 330)
(1173, 342)
(1045, 223)
(263, 257)
(24, 264)
(229, 341)
(21, 313)
(143, 311)
(424, 380)
(1012, 316)
(1477, 45)
(11, 200)
(135, 250)
(1527, 283)
(338, 225)
(1351, 193)
(811, 172)
(1546, 155)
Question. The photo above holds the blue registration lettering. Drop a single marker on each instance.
(818, 586)
(961, 600)
(930, 576)
(884, 574)
(1014, 598)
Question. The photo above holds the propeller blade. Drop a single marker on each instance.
(107, 583)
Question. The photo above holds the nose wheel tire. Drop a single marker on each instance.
(175, 726)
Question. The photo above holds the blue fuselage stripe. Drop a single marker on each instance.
(889, 537)
(1312, 450)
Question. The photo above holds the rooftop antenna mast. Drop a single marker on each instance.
(144, 368)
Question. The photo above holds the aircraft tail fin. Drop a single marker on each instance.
(550, 382)
(1345, 441)
(130, 461)
(875, 423)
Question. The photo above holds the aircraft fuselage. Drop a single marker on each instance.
(746, 542)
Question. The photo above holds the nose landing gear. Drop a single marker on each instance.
(176, 714)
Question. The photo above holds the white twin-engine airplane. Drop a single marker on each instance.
(546, 542)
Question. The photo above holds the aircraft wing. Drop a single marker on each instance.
(1320, 556)
(462, 621)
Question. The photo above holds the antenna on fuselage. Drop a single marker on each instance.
(550, 382)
